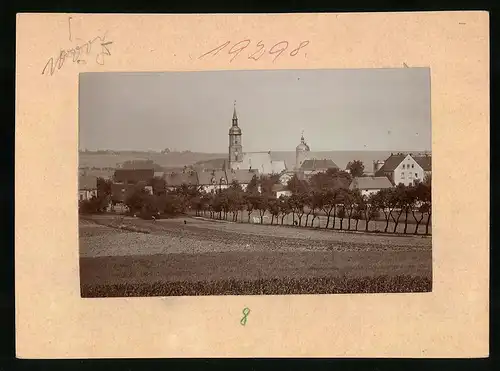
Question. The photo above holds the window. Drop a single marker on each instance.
(412, 166)
(416, 175)
(402, 175)
(403, 166)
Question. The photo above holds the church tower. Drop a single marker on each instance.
(301, 152)
(235, 146)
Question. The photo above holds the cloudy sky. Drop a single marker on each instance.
(364, 109)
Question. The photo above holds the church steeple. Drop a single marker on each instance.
(301, 152)
(235, 115)
(235, 145)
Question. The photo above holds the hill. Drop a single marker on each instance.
(104, 159)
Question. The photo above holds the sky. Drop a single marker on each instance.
(338, 110)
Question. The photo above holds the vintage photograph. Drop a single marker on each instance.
(261, 182)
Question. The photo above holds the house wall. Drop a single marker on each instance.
(283, 193)
(368, 192)
(85, 194)
(285, 178)
(407, 172)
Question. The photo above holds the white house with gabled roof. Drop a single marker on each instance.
(405, 169)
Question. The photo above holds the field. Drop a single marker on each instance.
(202, 257)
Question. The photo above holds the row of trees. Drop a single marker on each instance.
(324, 195)
(327, 195)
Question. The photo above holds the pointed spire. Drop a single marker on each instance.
(302, 137)
(235, 116)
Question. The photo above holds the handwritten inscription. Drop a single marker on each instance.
(97, 48)
(259, 49)
(246, 312)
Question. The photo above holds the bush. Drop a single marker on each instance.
(95, 205)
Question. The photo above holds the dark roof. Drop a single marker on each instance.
(315, 164)
(87, 182)
(173, 179)
(370, 182)
(395, 159)
(278, 188)
(133, 175)
(140, 164)
(391, 163)
(216, 163)
(241, 176)
(424, 161)
(211, 177)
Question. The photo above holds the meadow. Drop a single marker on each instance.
(189, 256)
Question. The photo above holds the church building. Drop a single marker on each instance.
(259, 161)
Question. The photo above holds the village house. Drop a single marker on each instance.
(280, 190)
(126, 181)
(405, 169)
(87, 187)
(175, 179)
(243, 177)
(215, 180)
(313, 166)
(212, 181)
(369, 184)
(286, 176)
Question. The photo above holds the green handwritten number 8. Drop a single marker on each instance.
(246, 312)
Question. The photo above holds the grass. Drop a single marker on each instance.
(276, 286)
(203, 258)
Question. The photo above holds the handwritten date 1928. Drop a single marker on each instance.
(276, 50)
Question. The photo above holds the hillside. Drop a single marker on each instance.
(180, 159)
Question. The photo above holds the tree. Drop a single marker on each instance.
(274, 209)
(253, 186)
(427, 207)
(262, 204)
(369, 209)
(328, 204)
(357, 215)
(159, 186)
(251, 195)
(103, 187)
(267, 183)
(314, 202)
(297, 203)
(236, 199)
(381, 202)
(350, 199)
(250, 200)
(356, 168)
(341, 214)
(428, 179)
(397, 201)
(137, 199)
(408, 204)
(94, 205)
(284, 206)
(296, 185)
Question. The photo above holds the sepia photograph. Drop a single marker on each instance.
(255, 182)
